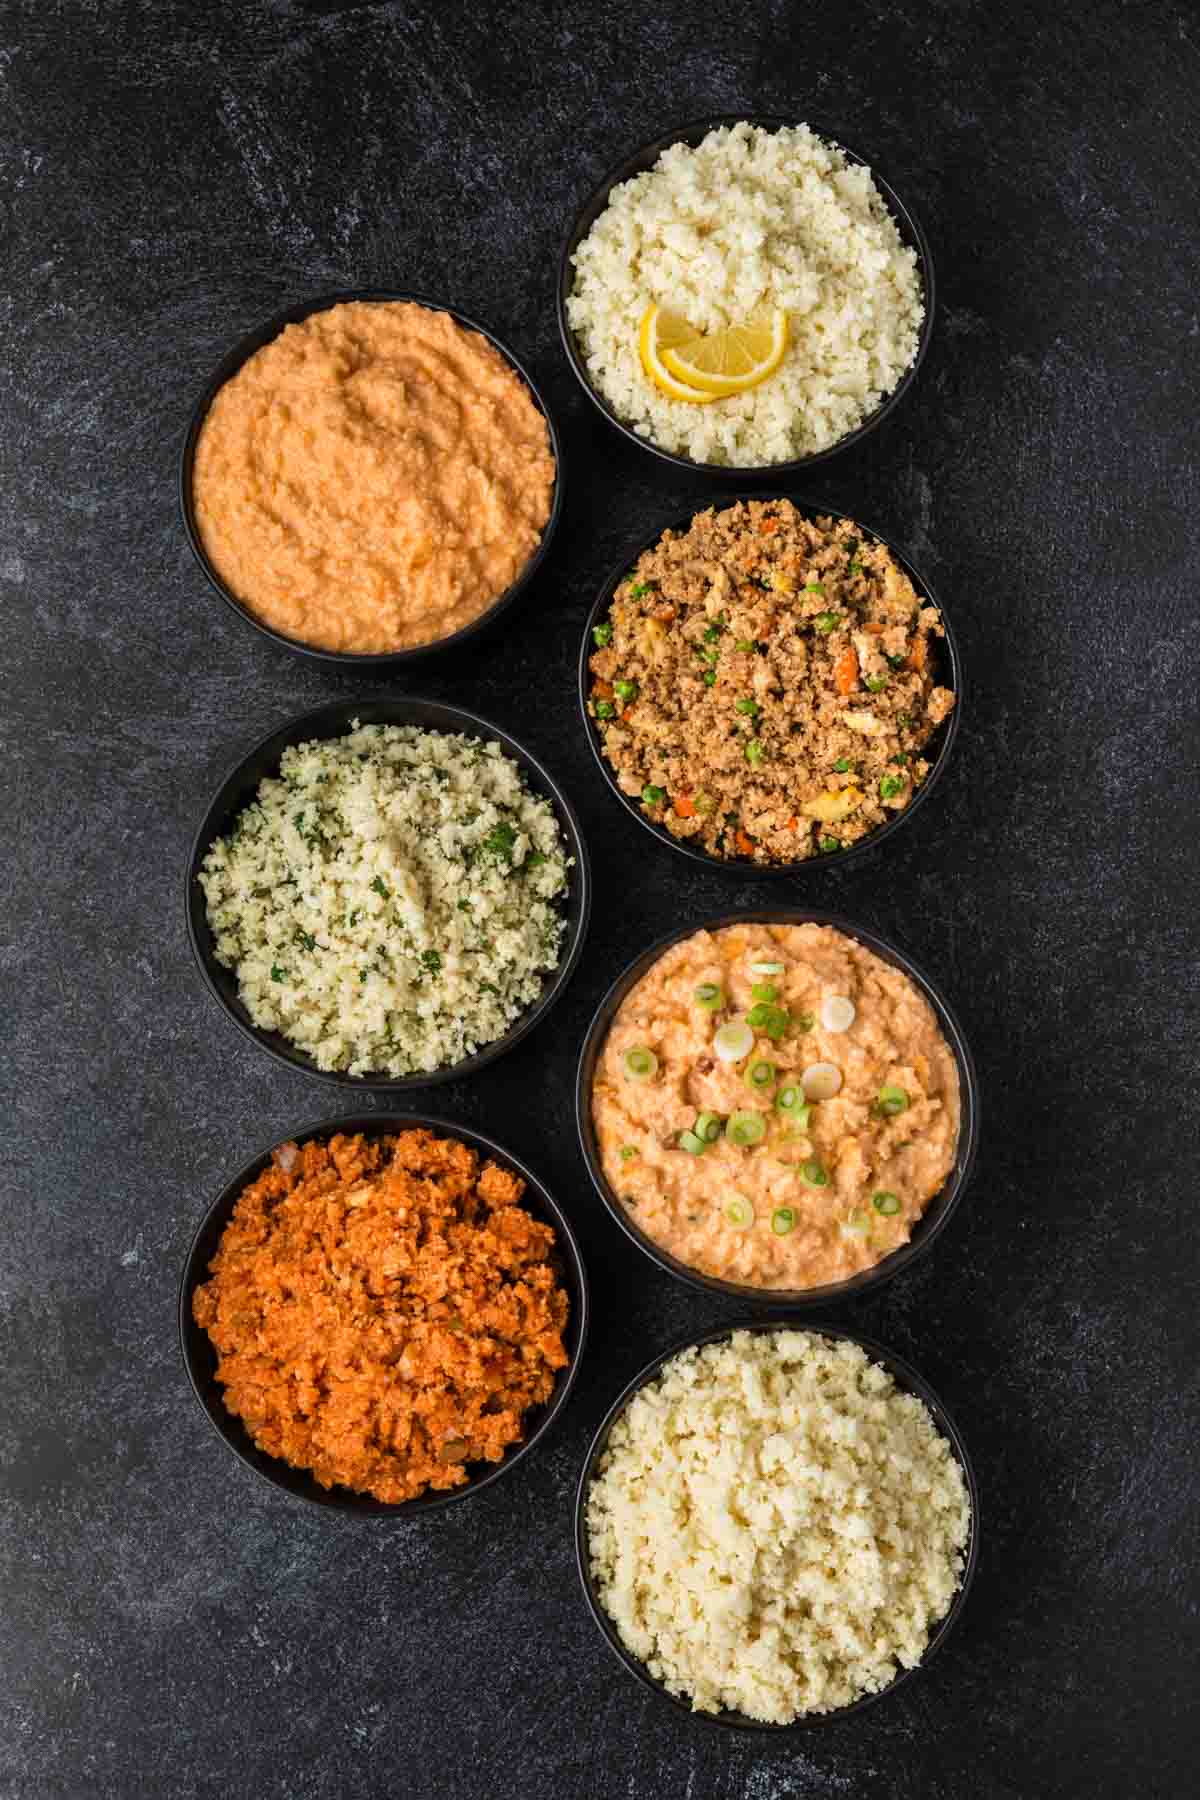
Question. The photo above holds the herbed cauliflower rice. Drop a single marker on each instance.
(388, 901)
(775, 1526)
(751, 221)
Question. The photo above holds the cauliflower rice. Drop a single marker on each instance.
(751, 220)
(776, 1527)
(388, 901)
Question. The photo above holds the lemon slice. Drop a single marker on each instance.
(729, 361)
(658, 330)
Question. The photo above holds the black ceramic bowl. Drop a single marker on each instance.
(946, 664)
(936, 1214)
(229, 365)
(692, 133)
(909, 1382)
(201, 1361)
(332, 721)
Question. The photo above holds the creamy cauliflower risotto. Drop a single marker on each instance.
(388, 901)
(775, 1527)
(751, 223)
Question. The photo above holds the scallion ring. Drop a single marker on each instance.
(745, 1129)
(709, 996)
(783, 1220)
(640, 1064)
(760, 1075)
(733, 1041)
(739, 1211)
(691, 1143)
(887, 1204)
(790, 1101)
(708, 1126)
(892, 1100)
(812, 1173)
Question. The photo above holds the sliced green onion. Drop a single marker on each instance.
(767, 968)
(712, 633)
(749, 707)
(691, 1143)
(758, 1016)
(733, 1041)
(812, 1173)
(744, 644)
(813, 587)
(857, 1224)
(821, 1081)
(739, 1211)
(760, 1075)
(892, 1100)
(783, 1220)
(640, 1064)
(709, 996)
(826, 622)
(778, 1022)
(887, 1204)
(790, 1100)
(837, 1013)
(746, 1128)
(764, 990)
(710, 677)
(805, 1022)
(602, 634)
(627, 1152)
(708, 1126)
(754, 752)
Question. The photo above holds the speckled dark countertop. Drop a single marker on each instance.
(173, 173)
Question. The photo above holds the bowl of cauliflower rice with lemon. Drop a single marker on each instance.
(745, 294)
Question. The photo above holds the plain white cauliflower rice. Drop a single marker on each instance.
(775, 1527)
(748, 221)
(388, 901)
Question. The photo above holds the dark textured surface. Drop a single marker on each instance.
(173, 172)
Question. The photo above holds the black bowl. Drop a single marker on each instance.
(229, 365)
(201, 1361)
(332, 721)
(936, 1214)
(910, 1382)
(692, 133)
(946, 665)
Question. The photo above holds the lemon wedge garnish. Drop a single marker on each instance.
(729, 361)
(659, 330)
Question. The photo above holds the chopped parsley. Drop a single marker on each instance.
(380, 887)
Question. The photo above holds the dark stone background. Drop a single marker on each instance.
(171, 174)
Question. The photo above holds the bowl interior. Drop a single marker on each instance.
(240, 786)
(201, 1360)
(229, 365)
(692, 133)
(909, 1381)
(946, 668)
(936, 1214)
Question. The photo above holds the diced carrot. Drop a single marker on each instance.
(627, 714)
(745, 844)
(769, 527)
(685, 806)
(874, 627)
(916, 656)
(602, 690)
(793, 823)
(845, 670)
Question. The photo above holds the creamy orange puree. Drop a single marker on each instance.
(822, 1192)
(373, 479)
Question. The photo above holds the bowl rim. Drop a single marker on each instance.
(338, 715)
(345, 1500)
(691, 131)
(865, 848)
(909, 1380)
(936, 1215)
(256, 338)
